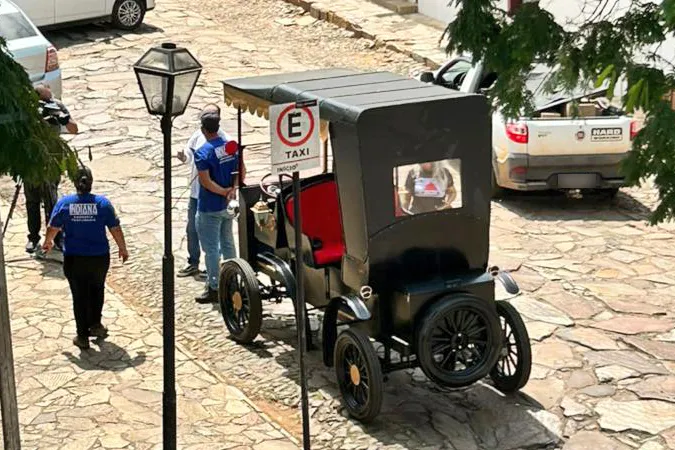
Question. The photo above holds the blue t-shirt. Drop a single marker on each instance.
(213, 157)
(83, 219)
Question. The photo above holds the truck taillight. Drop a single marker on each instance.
(635, 127)
(517, 132)
(52, 62)
(518, 172)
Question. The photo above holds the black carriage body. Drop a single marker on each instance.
(380, 121)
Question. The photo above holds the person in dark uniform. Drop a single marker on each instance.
(83, 217)
(45, 193)
(428, 187)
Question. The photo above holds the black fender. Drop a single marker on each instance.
(505, 279)
(352, 308)
(278, 270)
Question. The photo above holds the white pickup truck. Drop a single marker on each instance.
(559, 147)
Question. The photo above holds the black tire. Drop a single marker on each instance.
(513, 367)
(458, 329)
(611, 193)
(240, 301)
(359, 375)
(128, 14)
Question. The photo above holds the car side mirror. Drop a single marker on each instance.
(427, 77)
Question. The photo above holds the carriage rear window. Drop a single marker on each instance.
(14, 26)
(427, 187)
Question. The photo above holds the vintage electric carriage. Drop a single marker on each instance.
(395, 239)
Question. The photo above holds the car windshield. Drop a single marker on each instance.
(15, 26)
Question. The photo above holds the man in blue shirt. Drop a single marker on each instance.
(218, 165)
(83, 218)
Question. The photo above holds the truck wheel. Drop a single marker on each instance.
(128, 14)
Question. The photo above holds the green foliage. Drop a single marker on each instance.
(602, 50)
(29, 147)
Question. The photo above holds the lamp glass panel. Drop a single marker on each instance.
(155, 59)
(182, 91)
(183, 60)
(155, 91)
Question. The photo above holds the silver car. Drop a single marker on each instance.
(29, 47)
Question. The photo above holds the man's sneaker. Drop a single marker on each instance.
(188, 271)
(32, 246)
(81, 342)
(98, 331)
(208, 296)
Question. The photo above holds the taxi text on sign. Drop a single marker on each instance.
(294, 137)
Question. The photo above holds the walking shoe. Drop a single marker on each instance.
(98, 331)
(188, 271)
(32, 246)
(81, 342)
(208, 296)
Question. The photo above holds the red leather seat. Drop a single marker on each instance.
(321, 221)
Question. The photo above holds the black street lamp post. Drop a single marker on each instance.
(167, 75)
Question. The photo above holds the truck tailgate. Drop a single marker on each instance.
(583, 136)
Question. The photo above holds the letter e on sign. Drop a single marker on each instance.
(294, 137)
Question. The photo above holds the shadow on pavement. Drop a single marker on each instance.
(557, 206)
(109, 356)
(101, 32)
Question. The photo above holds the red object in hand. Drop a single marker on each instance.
(231, 147)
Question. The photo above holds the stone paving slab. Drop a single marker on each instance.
(414, 35)
(110, 397)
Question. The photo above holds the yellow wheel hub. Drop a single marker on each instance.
(355, 375)
(237, 302)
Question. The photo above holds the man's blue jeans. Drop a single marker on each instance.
(215, 235)
(192, 235)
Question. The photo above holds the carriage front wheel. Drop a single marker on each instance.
(359, 375)
(240, 301)
(512, 370)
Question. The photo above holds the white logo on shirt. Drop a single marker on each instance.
(83, 212)
(429, 187)
(222, 156)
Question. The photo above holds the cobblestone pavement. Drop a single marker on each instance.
(110, 397)
(596, 294)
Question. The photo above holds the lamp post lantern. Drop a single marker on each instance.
(167, 75)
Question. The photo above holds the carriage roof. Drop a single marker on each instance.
(342, 94)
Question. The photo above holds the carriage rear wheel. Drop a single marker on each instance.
(240, 301)
(359, 375)
(458, 340)
(512, 370)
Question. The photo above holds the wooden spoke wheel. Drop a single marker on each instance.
(359, 375)
(240, 300)
(458, 340)
(512, 370)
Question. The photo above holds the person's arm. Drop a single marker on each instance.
(407, 194)
(118, 235)
(55, 225)
(210, 185)
(451, 192)
(71, 126)
(113, 224)
(186, 155)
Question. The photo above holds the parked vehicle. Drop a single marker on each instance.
(29, 47)
(575, 140)
(394, 244)
(125, 14)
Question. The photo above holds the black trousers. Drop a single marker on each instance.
(86, 276)
(45, 194)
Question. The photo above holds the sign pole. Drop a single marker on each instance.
(295, 146)
(300, 310)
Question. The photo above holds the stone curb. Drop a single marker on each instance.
(433, 59)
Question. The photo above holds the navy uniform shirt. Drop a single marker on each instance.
(84, 219)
